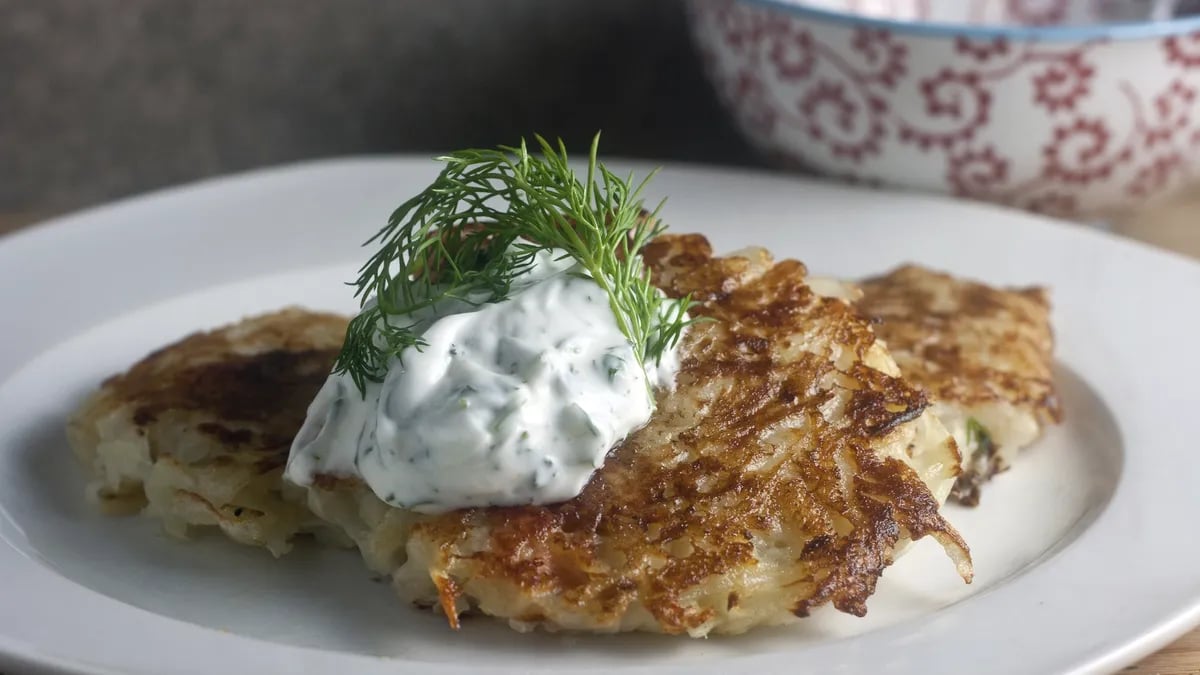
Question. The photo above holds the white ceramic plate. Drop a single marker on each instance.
(1086, 552)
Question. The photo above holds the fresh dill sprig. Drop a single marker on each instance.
(479, 226)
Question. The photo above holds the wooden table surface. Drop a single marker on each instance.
(1173, 225)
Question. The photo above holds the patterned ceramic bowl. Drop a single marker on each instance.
(1060, 106)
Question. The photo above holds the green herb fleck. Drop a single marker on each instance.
(613, 365)
(979, 438)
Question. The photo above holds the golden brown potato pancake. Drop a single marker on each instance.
(984, 355)
(786, 470)
(198, 432)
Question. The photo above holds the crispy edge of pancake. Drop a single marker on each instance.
(984, 354)
(673, 534)
(197, 433)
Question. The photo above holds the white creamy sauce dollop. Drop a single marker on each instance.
(514, 402)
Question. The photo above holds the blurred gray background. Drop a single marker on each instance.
(105, 98)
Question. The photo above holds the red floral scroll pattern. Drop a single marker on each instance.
(791, 83)
(1183, 50)
(886, 56)
(1061, 84)
(974, 171)
(741, 27)
(1156, 175)
(1083, 151)
(792, 53)
(1172, 110)
(834, 118)
(957, 97)
(758, 113)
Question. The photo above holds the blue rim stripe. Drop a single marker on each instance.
(1113, 31)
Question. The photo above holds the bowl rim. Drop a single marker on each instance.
(1141, 30)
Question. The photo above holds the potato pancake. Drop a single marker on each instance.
(983, 354)
(198, 432)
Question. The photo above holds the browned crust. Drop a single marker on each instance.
(249, 384)
(215, 414)
(965, 342)
(448, 592)
(675, 504)
(968, 344)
